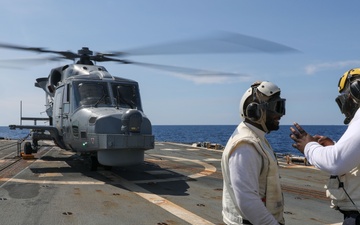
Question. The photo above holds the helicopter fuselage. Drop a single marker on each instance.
(93, 112)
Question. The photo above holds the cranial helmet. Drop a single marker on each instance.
(258, 99)
(349, 89)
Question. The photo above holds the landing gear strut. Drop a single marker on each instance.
(94, 163)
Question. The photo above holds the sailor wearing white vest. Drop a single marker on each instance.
(341, 159)
(251, 185)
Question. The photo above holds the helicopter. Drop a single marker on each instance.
(98, 115)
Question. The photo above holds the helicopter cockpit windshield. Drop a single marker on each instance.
(125, 96)
(96, 94)
(90, 93)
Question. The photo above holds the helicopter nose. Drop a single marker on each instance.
(131, 121)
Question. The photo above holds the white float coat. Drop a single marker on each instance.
(341, 157)
(248, 185)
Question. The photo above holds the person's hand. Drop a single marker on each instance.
(300, 137)
(324, 141)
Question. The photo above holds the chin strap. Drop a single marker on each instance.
(263, 122)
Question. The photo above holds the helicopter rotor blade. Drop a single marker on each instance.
(101, 57)
(224, 42)
(66, 54)
(186, 70)
(15, 63)
(18, 47)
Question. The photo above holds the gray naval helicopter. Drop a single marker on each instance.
(99, 115)
(94, 113)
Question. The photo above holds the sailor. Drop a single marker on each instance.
(251, 185)
(341, 159)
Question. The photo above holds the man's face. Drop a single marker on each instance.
(274, 113)
(272, 120)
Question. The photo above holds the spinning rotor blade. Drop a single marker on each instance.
(224, 42)
(101, 57)
(19, 63)
(66, 54)
(187, 71)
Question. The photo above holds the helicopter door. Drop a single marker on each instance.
(65, 110)
(62, 110)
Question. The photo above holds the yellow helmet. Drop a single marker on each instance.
(347, 77)
(349, 98)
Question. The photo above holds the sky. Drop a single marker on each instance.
(325, 35)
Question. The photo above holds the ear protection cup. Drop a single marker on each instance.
(355, 90)
(253, 111)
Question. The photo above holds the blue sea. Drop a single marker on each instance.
(219, 134)
(280, 140)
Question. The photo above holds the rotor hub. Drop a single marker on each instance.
(85, 51)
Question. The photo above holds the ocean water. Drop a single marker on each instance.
(219, 134)
(280, 140)
(5, 132)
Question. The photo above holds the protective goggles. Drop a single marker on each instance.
(277, 106)
(346, 103)
(341, 100)
(347, 106)
(347, 76)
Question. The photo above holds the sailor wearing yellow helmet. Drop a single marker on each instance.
(341, 159)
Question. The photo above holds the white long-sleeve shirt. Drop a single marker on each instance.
(245, 167)
(341, 157)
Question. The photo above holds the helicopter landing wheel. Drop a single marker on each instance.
(27, 148)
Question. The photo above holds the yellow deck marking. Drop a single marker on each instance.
(171, 149)
(209, 169)
(172, 208)
(50, 175)
(212, 160)
(295, 166)
(192, 149)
